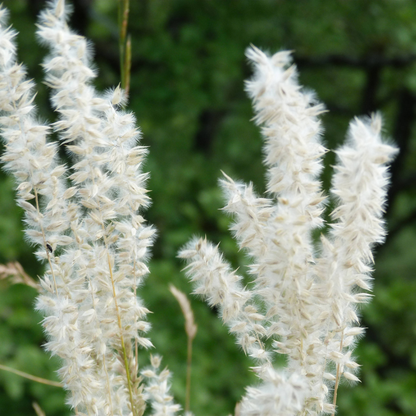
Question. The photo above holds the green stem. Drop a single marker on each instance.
(124, 43)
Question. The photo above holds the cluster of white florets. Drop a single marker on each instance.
(307, 301)
(90, 232)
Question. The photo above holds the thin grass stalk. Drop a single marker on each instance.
(338, 377)
(38, 409)
(190, 329)
(188, 375)
(30, 376)
(124, 44)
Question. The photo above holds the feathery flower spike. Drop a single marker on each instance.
(307, 302)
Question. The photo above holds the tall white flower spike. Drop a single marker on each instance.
(91, 232)
(304, 301)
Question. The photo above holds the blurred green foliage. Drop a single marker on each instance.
(188, 71)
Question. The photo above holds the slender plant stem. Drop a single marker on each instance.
(38, 409)
(124, 44)
(127, 65)
(338, 375)
(188, 375)
(120, 326)
(30, 377)
(136, 345)
(123, 346)
(190, 329)
(104, 360)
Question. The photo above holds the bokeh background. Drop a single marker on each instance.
(188, 71)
